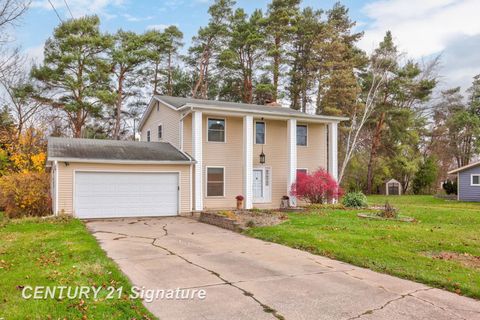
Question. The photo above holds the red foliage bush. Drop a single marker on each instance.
(317, 187)
(25, 194)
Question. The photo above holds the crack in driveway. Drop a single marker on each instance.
(265, 307)
(403, 296)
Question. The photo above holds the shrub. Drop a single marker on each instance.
(450, 187)
(228, 214)
(239, 198)
(354, 200)
(388, 212)
(25, 195)
(317, 187)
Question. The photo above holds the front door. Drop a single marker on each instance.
(261, 187)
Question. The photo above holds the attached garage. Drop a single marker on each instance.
(153, 180)
(125, 194)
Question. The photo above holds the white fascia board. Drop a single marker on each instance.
(77, 160)
(280, 115)
(146, 114)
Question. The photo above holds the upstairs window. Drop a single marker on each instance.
(148, 135)
(216, 130)
(302, 132)
(160, 132)
(260, 132)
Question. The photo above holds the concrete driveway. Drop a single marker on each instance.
(246, 278)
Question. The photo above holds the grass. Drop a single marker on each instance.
(401, 249)
(59, 252)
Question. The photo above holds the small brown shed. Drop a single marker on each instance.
(392, 187)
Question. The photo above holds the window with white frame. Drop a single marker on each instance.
(215, 181)
(148, 135)
(160, 131)
(259, 132)
(475, 180)
(302, 133)
(216, 130)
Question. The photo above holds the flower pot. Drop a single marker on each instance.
(285, 203)
(239, 204)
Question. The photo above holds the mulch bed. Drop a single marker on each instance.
(260, 218)
(465, 259)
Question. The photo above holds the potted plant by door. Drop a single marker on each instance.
(239, 202)
(285, 202)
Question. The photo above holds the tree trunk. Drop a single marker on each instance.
(169, 80)
(276, 67)
(373, 152)
(118, 108)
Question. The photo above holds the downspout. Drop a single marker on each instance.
(56, 187)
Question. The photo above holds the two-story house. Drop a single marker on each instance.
(193, 155)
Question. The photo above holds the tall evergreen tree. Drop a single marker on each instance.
(173, 43)
(127, 55)
(280, 26)
(309, 28)
(246, 44)
(208, 44)
(76, 70)
(338, 61)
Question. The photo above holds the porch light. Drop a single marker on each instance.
(262, 157)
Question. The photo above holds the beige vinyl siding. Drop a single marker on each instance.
(170, 121)
(66, 180)
(314, 155)
(276, 157)
(228, 155)
(187, 134)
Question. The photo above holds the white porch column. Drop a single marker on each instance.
(248, 161)
(333, 149)
(292, 157)
(198, 156)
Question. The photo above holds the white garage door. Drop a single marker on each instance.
(125, 194)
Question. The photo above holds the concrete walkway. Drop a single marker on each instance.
(246, 278)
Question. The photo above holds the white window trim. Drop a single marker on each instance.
(264, 133)
(303, 125)
(162, 138)
(225, 126)
(149, 136)
(206, 181)
(471, 180)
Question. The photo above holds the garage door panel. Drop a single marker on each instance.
(122, 194)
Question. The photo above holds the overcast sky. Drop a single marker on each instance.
(422, 29)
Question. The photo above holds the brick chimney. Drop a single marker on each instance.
(270, 102)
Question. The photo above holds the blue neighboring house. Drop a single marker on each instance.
(468, 180)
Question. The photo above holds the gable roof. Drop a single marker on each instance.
(108, 151)
(178, 103)
(392, 180)
(468, 166)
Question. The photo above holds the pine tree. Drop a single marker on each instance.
(339, 59)
(303, 57)
(280, 26)
(246, 45)
(75, 69)
(208, 44)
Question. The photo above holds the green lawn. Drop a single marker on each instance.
(58, 253)
(398, 248)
